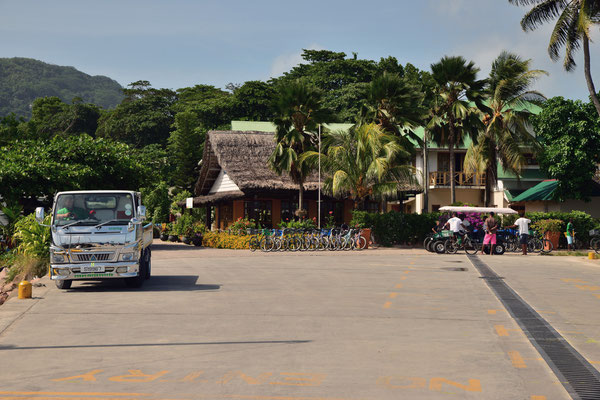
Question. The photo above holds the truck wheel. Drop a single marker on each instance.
(63, 284)
(138, 281)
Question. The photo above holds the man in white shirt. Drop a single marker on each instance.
(523, 224)
(456, 225)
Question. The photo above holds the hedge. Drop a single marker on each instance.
(394, 227)
(222, 240)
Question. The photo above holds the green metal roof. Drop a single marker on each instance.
(542, 191)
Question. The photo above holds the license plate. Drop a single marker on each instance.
(92, 268)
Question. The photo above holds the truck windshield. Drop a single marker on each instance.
(93, 209)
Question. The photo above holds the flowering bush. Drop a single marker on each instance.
(240, 226)
(475, 219)
(222, 240)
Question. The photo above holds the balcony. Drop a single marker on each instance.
(442, 179)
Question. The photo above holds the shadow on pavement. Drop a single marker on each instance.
(158, 283)
(175, 246)
(87, 346)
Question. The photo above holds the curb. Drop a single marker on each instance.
(14, 308)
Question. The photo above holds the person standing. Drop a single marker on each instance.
(570, 235)
(490, 226)
(523, 224)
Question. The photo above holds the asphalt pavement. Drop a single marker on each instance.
(378, 324)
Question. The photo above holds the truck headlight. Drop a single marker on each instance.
(58, 258)
(128, 257)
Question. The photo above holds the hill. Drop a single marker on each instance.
(22, 80)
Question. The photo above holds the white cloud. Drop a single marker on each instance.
(285, 62)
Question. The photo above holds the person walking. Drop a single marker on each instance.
(490, 228)
(523, 224)
(570, 235)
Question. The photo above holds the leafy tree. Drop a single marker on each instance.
(569, 133)
(456, 85)
(299, 110)
(9, 128)
(507, 127)
(186, 144)
(144, 117)
(574, 20)
(157, 202)
(214, 107)
(37, 169)
(254, 101)
(363, 162)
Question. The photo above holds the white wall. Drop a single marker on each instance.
(223, 184)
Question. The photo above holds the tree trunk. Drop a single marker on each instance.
(451, 138)
(300, 196)
(588, 74)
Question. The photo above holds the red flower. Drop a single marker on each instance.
(330, 212)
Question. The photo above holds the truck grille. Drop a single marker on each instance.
(93, 257)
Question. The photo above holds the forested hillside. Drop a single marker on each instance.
(22, 80)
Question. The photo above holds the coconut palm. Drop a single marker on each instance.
(574, 19)
(507, 132)
(363, 162)
(393, 103)
(456, 89)
(299, 110)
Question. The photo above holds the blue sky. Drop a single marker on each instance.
(179, 43)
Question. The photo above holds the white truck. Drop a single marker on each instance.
(98, 235)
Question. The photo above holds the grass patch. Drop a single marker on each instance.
(26, 267)
(577, 253)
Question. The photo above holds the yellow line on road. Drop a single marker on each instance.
(393, 295)
(399, 286)
(387, 304)
(537, 398)
(501, 330)
(73, 393)
(516, 359)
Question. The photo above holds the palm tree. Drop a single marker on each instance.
(506, 120)
(456, 86)
(363, 162)
(299, 110)
(572, 29)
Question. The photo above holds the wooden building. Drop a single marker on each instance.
(235, 181)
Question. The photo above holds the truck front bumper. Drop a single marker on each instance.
(107, 270)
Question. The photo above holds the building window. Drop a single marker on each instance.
(372, 206)
(225, 215)
(435, 208)
(288, 210)
(259, 211)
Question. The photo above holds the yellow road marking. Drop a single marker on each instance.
(538, 398)
(403, 278)
(501, 330)
(74, 393)
(387, 304)
(597, 295)
(588, 287)
(399, 286)
(516, 359)
(571, 280)
(393, 295)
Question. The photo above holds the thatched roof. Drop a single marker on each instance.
(244, 156)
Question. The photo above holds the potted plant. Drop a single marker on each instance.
(551, 229)
(164, 233)
(361, 220)
(172, 235)
(199, 229)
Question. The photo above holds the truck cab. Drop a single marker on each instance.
(99, 235)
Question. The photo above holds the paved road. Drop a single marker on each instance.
(374, 325)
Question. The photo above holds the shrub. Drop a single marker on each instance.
(582, 221)
(394, 227)
(240, 226)
(27, 267)
(547, 225)
(33, 239)
(304, 224)
(184, 226)
(222, 240)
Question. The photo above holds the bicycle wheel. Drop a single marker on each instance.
(451, 246)
(471, 246)
(253, 244)
(294, 244)
(547, 246)
(362, 243)
(266, 244)
(595, 245)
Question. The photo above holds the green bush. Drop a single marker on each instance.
(304, 224)
(184, 226)
(27, 267)
(582, 222)
(33, 239)
(393, 227)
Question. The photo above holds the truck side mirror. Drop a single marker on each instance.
(141, 213)
(39, 215)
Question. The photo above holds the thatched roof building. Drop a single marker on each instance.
(235, 178)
